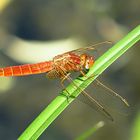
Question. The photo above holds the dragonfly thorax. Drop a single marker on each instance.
(69, 62)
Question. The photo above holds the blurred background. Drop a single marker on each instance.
(37, 30)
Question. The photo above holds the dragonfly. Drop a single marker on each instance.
(61, 66)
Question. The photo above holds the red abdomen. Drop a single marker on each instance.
(27, 69)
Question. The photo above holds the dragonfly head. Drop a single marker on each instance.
(86, 61)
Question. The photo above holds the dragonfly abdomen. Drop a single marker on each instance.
(26, 69)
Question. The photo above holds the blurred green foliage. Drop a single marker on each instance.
(136, 128)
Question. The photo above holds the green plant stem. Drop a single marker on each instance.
(87, 134)
(51, 112)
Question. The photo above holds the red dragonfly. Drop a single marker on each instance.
(60, 67)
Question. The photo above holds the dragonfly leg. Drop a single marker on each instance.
(84, 75)
(62, 82)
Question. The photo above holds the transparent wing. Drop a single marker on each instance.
(116, 105)
(91, 47)
(112, 92)
(96, 105)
